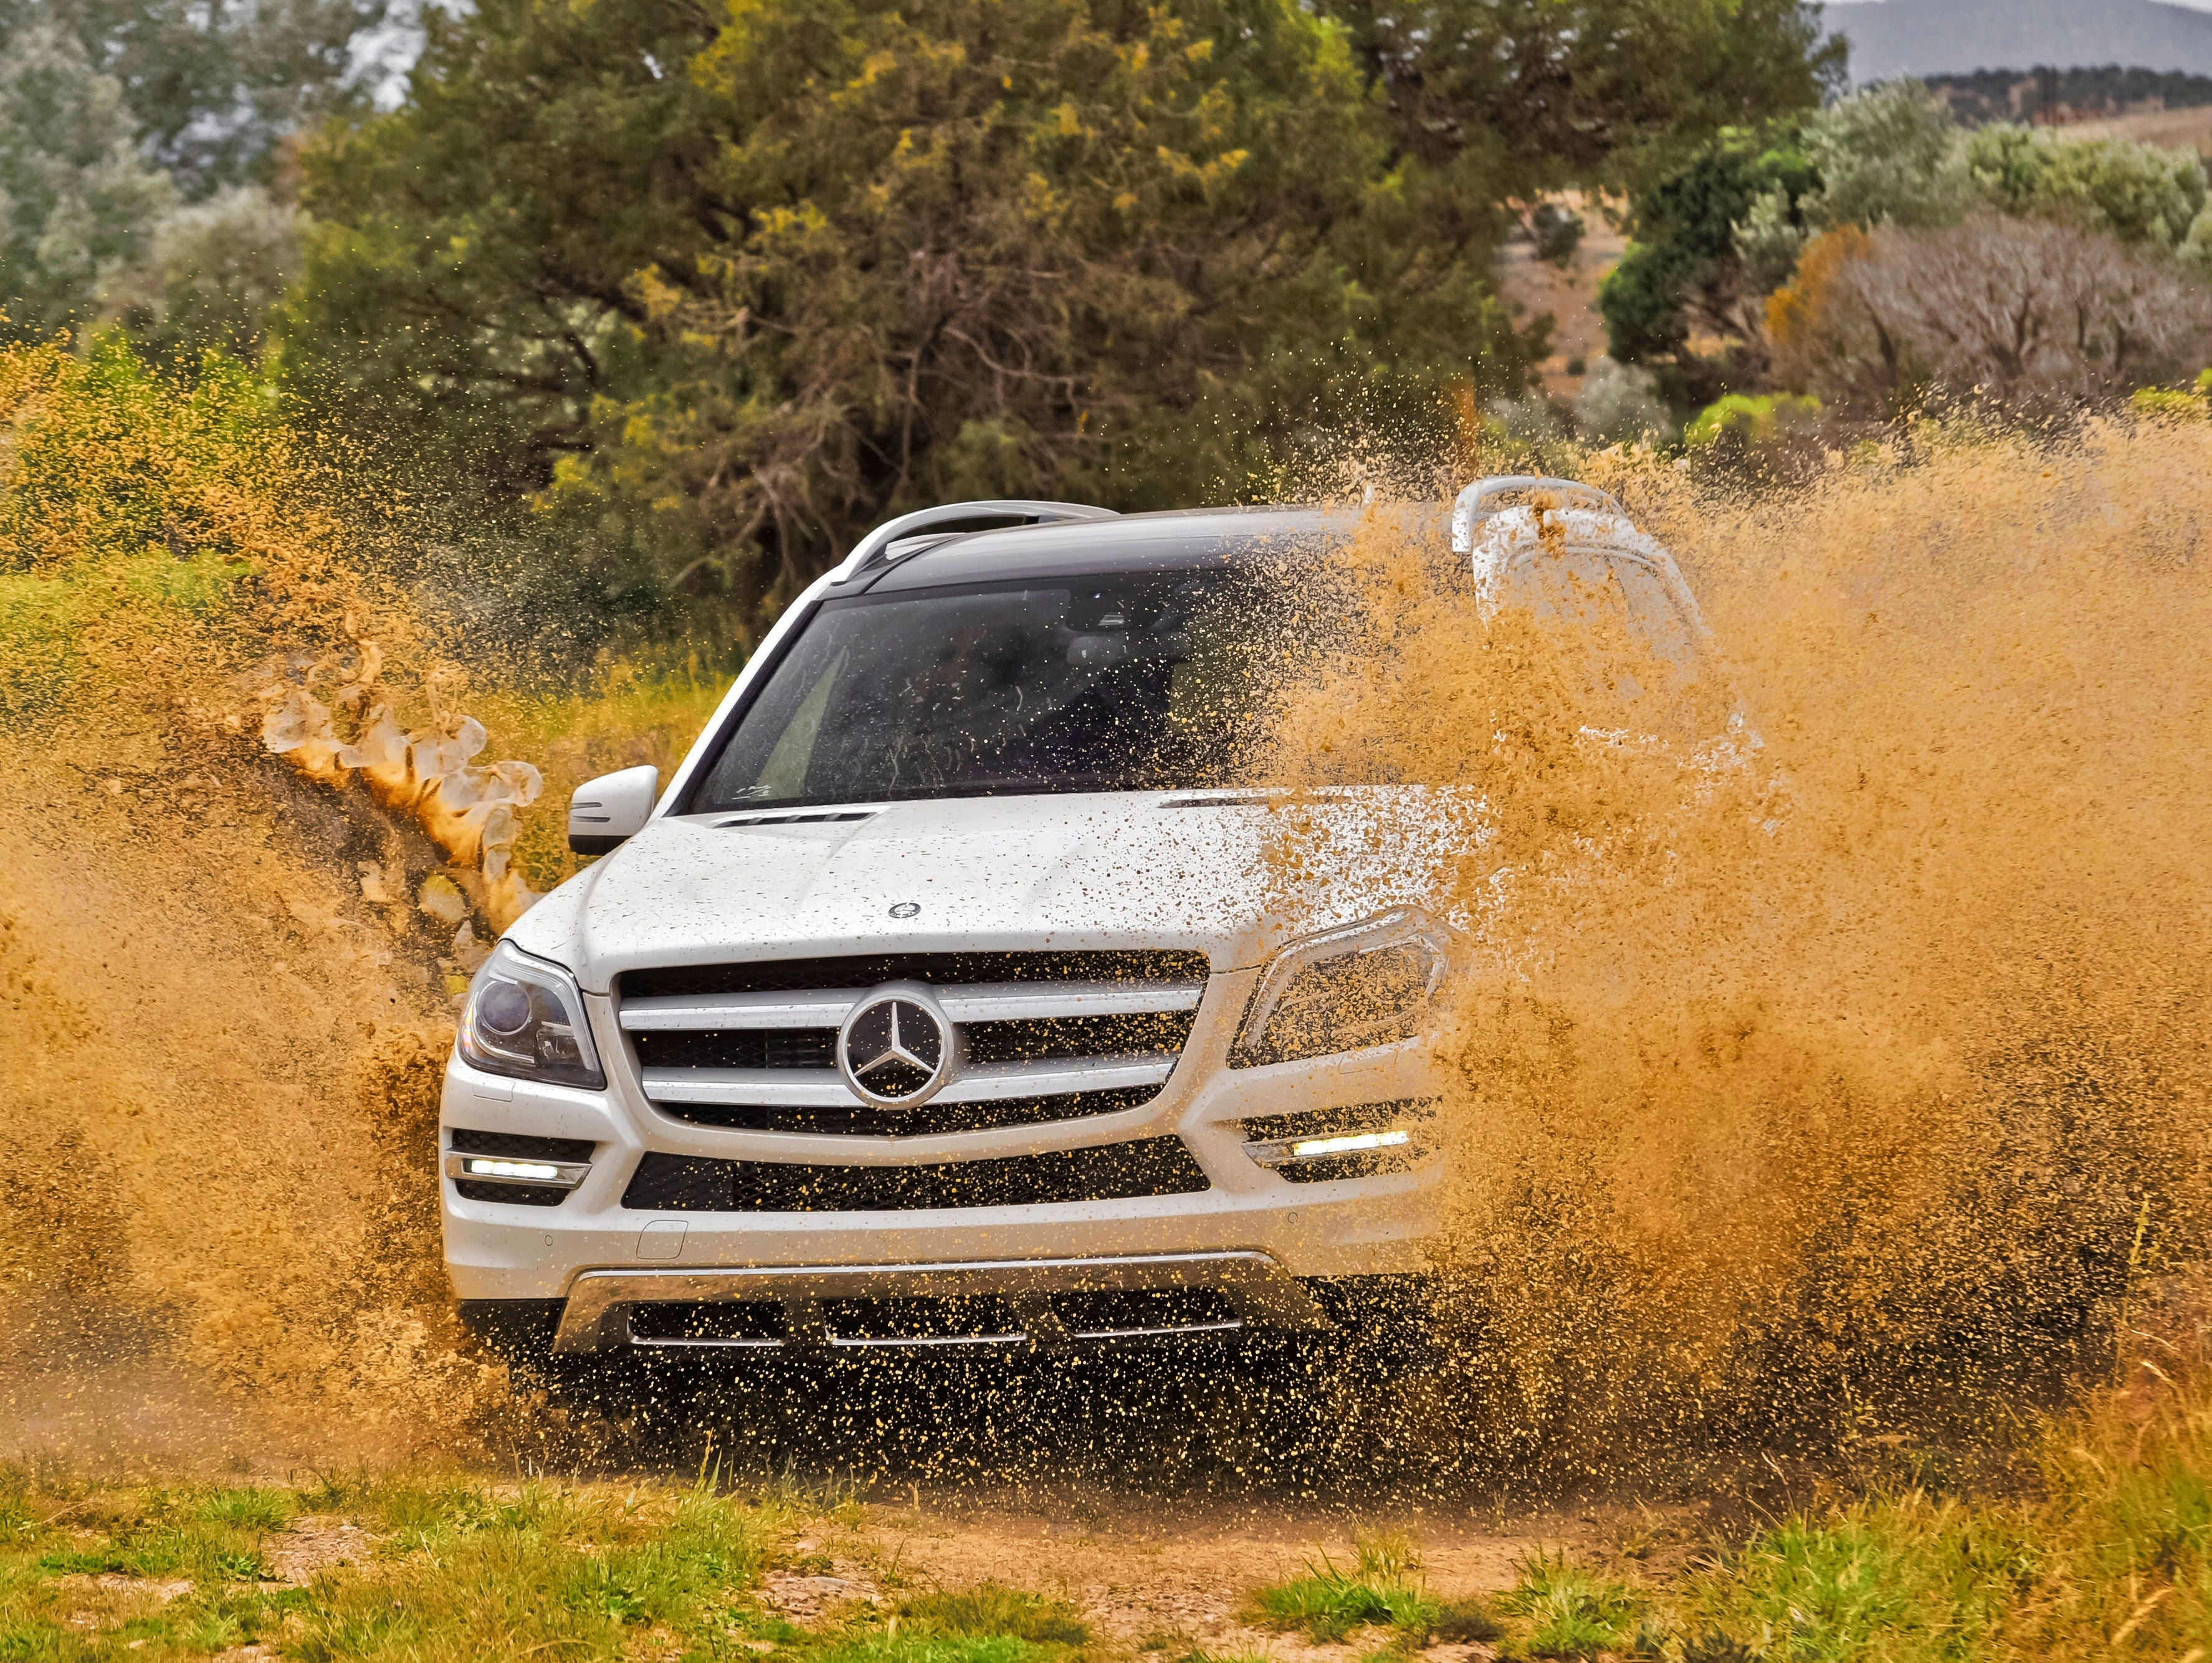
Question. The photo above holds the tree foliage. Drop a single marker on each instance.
(1030, 248)
(1528, 95)
(1684, 274)
(1719, 235)
(714, 288)
(77, 202)
(212, 86)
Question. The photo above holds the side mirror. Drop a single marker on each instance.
(608, 811)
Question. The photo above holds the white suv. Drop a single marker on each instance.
(937, 1000)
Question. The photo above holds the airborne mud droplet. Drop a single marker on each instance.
(1794, 1094)
(1819, 1089)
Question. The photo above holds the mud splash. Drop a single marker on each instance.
(1829, 1096)
(427, 775)
(227, 994)
(1838, 1093)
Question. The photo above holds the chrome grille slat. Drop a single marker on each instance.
(1044, 1036)
(822, 1088)
(1004, 1001)
(679, 1013)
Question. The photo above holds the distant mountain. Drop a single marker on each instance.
(1892, 38)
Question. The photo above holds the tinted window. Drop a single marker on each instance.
(1128, 681)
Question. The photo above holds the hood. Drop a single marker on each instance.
(1140, 870)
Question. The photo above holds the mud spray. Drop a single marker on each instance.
(1828, 1082)
(1833, 1093)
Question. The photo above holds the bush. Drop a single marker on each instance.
(2021, 314)
(1619, 405)
(1750, 424)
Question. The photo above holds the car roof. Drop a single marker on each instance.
(1176, 540)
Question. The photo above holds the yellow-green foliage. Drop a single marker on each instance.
(2190, 405)
(1752, 421)
(634, 713)
(146, 524)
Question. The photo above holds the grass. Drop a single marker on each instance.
(456, 1571)
(2110, 1556)
(1566, 1610)
(1383, 1589)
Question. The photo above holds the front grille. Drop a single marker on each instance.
(1045, 1036)
(754, 1047)
(1110, 1172)
(933, 1117)
(784, 975)
(511, 1195)
(514, 1146)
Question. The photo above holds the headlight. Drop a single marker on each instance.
(1366, 984)
(525, 1017)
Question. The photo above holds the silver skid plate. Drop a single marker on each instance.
(1262, 1293)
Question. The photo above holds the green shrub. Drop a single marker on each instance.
(1751, 423)
(1570, 1611)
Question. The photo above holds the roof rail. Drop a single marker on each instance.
(875, 548)
(1477, 502)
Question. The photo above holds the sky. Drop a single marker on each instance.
(2192, 5)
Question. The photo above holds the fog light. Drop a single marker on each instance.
(542, 1172)
(1307, 1149)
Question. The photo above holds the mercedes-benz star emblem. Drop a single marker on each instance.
(898, 1048)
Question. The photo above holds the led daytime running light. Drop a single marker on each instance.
(541, 1171)
(1312, 1149)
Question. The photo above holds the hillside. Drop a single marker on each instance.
(1892, 38)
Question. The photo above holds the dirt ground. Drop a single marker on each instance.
(2172, 130)
(1532, 287)
(1176, 1579)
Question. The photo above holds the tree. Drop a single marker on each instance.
(1032, 248)
(711, 289)
(1892, 154)
(1685, 273)
(215, 272)
(2137, 193)
(1530, 95)
(467, 295)
(1718, 236)
(77, 202)
(733, 294)
(212, 86)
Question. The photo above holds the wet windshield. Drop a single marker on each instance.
(1125, 681)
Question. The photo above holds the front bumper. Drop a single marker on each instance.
(1251, 1237)
(1251, 1292)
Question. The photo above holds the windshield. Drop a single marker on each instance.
(1123, 681)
